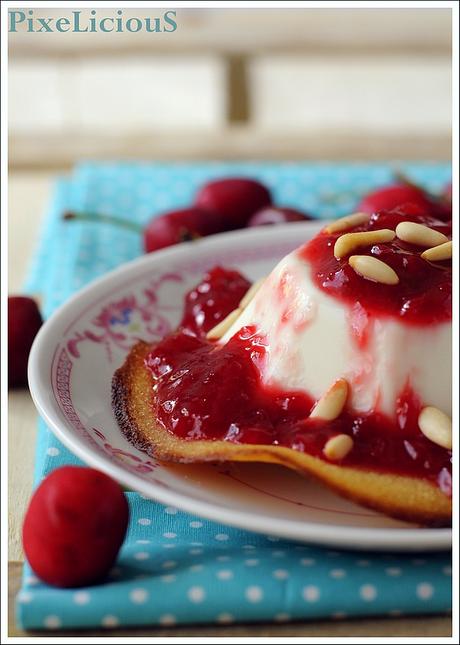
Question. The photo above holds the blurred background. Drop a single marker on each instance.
(260, 83)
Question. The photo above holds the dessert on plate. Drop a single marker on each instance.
(337, 365)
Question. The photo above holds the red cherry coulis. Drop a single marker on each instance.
(424, 293)
(213, 299)
(207, 392)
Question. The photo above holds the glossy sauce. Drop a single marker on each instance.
(205, 391)
(424, 293)
(213, 299)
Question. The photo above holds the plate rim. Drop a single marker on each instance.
(353, 538)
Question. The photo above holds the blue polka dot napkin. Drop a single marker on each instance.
(175, 568)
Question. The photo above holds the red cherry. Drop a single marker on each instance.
(74, 526)
(180, 226)
(235, 199)
(24, 321)
(390, 197)
(277, 215)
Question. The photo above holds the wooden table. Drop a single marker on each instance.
(28, 194)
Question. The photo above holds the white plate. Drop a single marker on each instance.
(78, 349)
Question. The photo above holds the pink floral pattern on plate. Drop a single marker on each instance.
(120, 322)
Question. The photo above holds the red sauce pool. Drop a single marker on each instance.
(213, 299)
(204, 391)
(424, 293)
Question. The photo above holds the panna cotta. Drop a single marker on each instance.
(321, 321)
(337, 364)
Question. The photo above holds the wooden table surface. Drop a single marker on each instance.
(28, 195)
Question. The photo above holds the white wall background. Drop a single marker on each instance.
(271, 83)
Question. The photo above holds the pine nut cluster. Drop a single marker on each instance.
(437, 246)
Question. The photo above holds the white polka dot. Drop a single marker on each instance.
(144, 521)
(196, 543)
(310, 593)
(141, 555)
(168, 546)
(254, 594)
(368, 592)
(425, 591)
(110, 621)
(251, 562)
(170, 536)
(196, 551)
(393, 571)
(52, 622)
(167, 619)
(53, 452)
(272, 538)
(196, 568)
(196, 594)
(143, 541)
(25, 597)
(337, 573)
(225, 574)
(362, 563)
(168, 578)
(278, 554)
(307, 562)
(32, 580)
(81, 598)
(281, 618)
(281, 574)
(339, 615)
(171, 510)
(221, 537)
(139, 595)
(248, 547)
(223, 558)
(447, 571)
(196, 525)
(225, 619)
(169, 564)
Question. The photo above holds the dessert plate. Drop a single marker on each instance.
(78, 349)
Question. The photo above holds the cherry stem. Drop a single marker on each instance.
(402, 178)
(101, 217)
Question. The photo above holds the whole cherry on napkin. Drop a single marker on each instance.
(24, 321)
(220, 205)
(405, 192)
(74, 526)
(235, 199)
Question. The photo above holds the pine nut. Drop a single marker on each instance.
(250, 293)
(373, 269)
(221, 328)
(438, 253)
(347, 222)
(436, 426)
(419, 234)
(348, 242)
(338, 447)
(331, 404)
